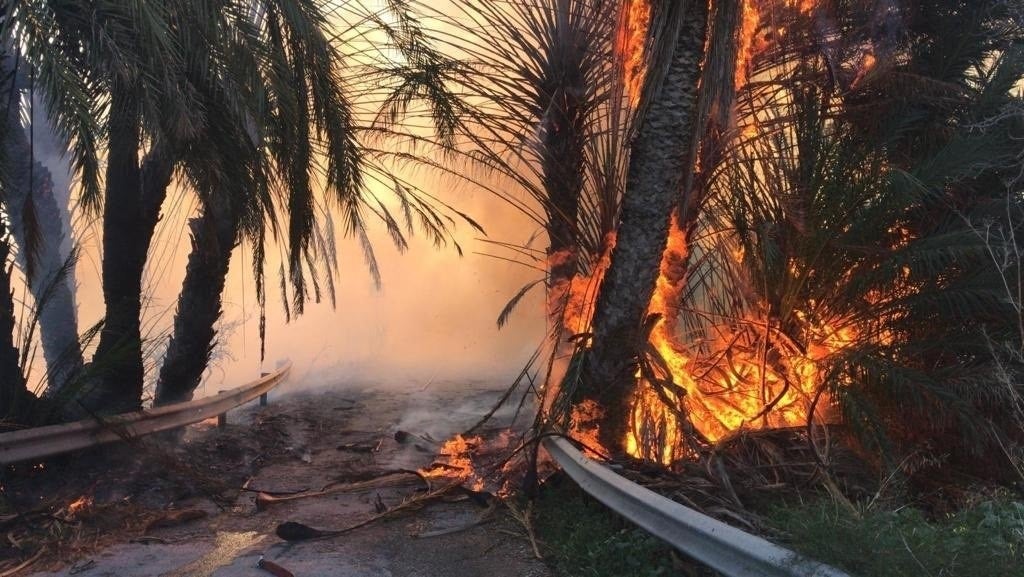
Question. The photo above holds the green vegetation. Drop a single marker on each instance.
(582, 538)
(986, 540)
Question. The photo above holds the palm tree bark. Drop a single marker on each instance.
(660, 158)
(134, 193)
(714, 116)
(214, 235)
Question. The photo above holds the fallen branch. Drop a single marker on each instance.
(25, 564)
(525, 519)
(484, 517)
(295, 532)
(388, 479)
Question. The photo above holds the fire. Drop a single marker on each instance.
(579, 304)
(454, 461)
(748, 374)
(632, 38)
(866, 65)
(757, 32)
(751, 376)
(79, 505)
(746, 41)
(570, 307)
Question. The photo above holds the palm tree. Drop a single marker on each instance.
(549, 119)
(37, 224)
(660, 158)
(125, 56)
(235, 180)
(268, 146)
(35, 42)
(258, 79)
(15, 400)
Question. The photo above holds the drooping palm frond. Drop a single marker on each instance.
(545, 110)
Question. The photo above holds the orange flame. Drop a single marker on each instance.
(586, 417)
(752, 378)
(746, 46)
(570, 308)
(455, 462)
(753, 40)
(632, 37)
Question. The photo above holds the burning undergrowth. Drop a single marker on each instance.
(822, 276)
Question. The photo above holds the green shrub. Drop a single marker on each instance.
(986, 540)
(582, 538)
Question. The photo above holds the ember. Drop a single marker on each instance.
(80, 505)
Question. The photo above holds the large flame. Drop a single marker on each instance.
(631, 39)
(570, 308)
(749, 376)
(755, 36)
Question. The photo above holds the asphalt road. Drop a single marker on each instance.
(308, 439)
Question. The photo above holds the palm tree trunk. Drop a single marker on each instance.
(131, 209)
(40, 229)
(214, 235)
(661, 156)
(562, 156)
(15, 399)
(52, 274)
(715, 110)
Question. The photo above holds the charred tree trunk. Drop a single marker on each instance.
(214, 235)
(131, 209)
(710, 136)
(562, 157)
(660, 158)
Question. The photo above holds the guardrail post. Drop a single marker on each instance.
(264, 397)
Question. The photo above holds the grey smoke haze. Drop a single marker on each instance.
(432, 321)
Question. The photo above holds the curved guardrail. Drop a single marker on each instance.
(722, 547)
(42, 442)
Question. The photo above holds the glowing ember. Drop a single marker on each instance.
(867, 64)
(79, 505)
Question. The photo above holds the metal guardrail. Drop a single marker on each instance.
(42, 442)
(722, 547)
